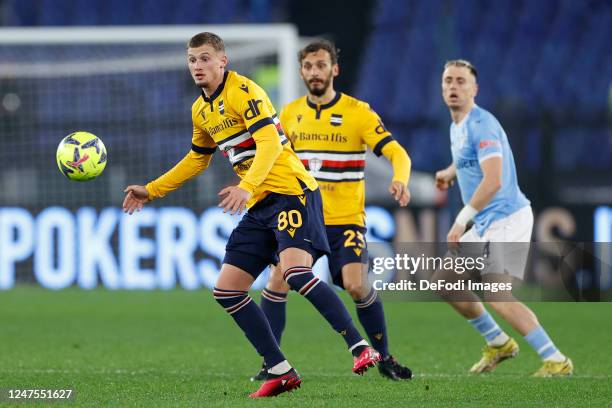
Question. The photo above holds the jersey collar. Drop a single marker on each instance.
(465, 118)
(327, 105)
(217, 91)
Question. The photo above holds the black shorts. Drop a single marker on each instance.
(275, 223)
(348, 245)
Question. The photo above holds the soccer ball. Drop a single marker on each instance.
(81, 156)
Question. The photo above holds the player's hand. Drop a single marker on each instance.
(135, 198)
(444, 179)
(454, 235)
(400, 192)
(234, 200)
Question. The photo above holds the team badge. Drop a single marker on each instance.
(315, 164)
(335, 120)
(221, 108)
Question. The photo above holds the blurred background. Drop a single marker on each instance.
(116, 68)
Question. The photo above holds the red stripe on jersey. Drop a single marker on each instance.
(247, 143)
(487, 143)
(338, 164)
(341, 164)
(279, 128)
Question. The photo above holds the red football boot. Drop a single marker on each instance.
(275, 386)
(368, 358)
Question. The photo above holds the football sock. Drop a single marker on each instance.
(274, 305)
(543, 345)
(489, 329)
(325, 300)
(372, 317)
(253, 323)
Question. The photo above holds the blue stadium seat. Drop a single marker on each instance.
(121, 12)
(391, 12)
(54, 12)
(379, 70)
(21, 13)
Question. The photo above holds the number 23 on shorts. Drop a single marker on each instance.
(350, 239)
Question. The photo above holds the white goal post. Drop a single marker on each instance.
(281, 39)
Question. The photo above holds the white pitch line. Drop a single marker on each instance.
(311, 374)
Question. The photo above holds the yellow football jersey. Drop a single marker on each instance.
(331, 141)
(230, 119)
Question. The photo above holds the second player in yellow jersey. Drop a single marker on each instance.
(331, 140)
(330, 133)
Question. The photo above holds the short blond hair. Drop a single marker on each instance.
(461, 63)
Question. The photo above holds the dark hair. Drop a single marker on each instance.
(462, 63)
(207, 38)
(320, 45)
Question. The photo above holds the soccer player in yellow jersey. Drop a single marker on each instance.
(330, 132)
(284, 221)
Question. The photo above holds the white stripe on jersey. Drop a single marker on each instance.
(236, 140)
(347, 175)
(330, 156)
(234, 158)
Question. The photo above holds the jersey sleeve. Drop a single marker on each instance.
(258, 113)
(373, 132)
(255, 108)
(486, 140)
(195, 161)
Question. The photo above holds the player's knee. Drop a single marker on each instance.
(277, 284)
(276, 281)
(357, 290)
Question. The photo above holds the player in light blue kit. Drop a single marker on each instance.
(484, 167)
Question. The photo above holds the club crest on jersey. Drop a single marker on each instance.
(460, 140)
(221, 108)
(315, 164)
(335, 120)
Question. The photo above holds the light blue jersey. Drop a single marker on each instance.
(477, 137)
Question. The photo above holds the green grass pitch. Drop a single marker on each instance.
(179, 348)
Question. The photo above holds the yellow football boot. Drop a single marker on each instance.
(555, 369)
(491, 356)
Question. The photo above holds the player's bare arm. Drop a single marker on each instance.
(490, 184)
(190, 166)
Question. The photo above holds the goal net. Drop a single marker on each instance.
(131, 87)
